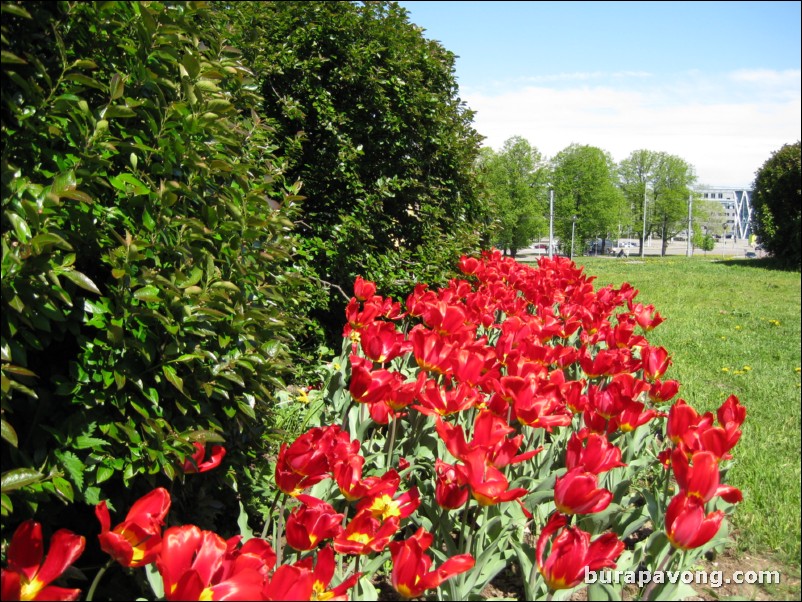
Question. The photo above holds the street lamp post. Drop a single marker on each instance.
(551, 222)
(643, 232)
(573, 229)
(689, 250)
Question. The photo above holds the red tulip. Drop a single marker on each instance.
(381, 342)
(201, 565)
(442, 401)
(364, 289)
(592, 452)
(431, 350)
(577, 492)
(27, 576)
(196, 462)
(289, 582)
(488, 485)
(655, 362)
(306, 461)
(450, 491)
(135, 541)
(731, 412)
(411, 574)
(643, 316)
(701, 479)
(662, 391)
(365, 534)
(572, 552)
(322, 573)
(384, 502)
(687, 526)
(312, 523)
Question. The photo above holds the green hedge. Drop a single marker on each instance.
(149, 296)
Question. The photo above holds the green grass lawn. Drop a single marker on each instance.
(733, 327)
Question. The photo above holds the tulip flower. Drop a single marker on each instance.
(27, 576)
(411, 574)
(306, 461)
(201, 565)
(662, 391)
(592, 452)
(450, 491)
(701, 479)
(572, 552)
(322, 573)
(364, 289)
(687, 525)
(381, 342)
(196, 462)
(655, 362)
(577, 492)
(431, 350)
(384, 502)
(731, 412)
(288, 582)
(135, 541)
(312, 523)
(488, 485)
(643, 316)
(365, 534)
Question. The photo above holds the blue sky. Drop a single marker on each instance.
(716, 83)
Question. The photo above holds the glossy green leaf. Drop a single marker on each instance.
(19, 477)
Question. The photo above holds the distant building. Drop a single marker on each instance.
(737, 205)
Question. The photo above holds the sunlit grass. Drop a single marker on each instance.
(733, 327)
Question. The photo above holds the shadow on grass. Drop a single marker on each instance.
(764, 263)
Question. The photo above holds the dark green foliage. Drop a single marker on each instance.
(368, 113)
(148, 294)
(778, 205)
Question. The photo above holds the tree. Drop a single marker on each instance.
(658, 184)
(777, 204)
(515, 183)
(367, 111)
(585, 185)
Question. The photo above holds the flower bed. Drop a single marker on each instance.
(515, 416)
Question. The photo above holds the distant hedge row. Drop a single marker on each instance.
(162, 276)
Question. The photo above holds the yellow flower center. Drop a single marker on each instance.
(29, 591)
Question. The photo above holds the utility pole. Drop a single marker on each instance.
(690, 225)
(643, 232)
(551, 221)
(573, 229)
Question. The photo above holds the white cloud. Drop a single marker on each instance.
(725, 126)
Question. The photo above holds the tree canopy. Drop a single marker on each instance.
(586, 186)
(659, 184)
(368, 113)
(778, 204)
(515, 181)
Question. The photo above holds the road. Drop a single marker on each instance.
(728, 248)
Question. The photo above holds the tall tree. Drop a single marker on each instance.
(368, 111)
(659, 185)
(778, 188)
(515, 181)
(588, 202)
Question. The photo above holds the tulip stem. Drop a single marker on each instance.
(96, 580)
(279, 531)
(270, 515)
(391, 442)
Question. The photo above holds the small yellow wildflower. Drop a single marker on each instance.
(739, 327)
(725, 369)
(746, 368)
(774, 322)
